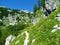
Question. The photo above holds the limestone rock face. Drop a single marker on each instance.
(51, 4)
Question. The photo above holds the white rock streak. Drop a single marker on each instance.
(8, 39)
(55, 28)
(58, 28)
(33, 40)
(26, 39)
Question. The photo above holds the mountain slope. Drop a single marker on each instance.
(13, 15)
(42, 33)
(11, 21)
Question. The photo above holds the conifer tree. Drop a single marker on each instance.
(43, 4)
(39, 4)
(35, 9)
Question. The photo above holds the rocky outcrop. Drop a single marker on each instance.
(50, 5)
(9, 39)
(35, 20)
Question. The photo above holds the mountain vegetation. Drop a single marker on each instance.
(41, 33)
(9, 26)
(30, 28)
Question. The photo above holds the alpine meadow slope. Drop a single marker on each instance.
(42, 33)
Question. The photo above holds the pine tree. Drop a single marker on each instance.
(35, 9)
(39, 4)
(43, 4)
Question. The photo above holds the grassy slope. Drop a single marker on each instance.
(41, 32)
